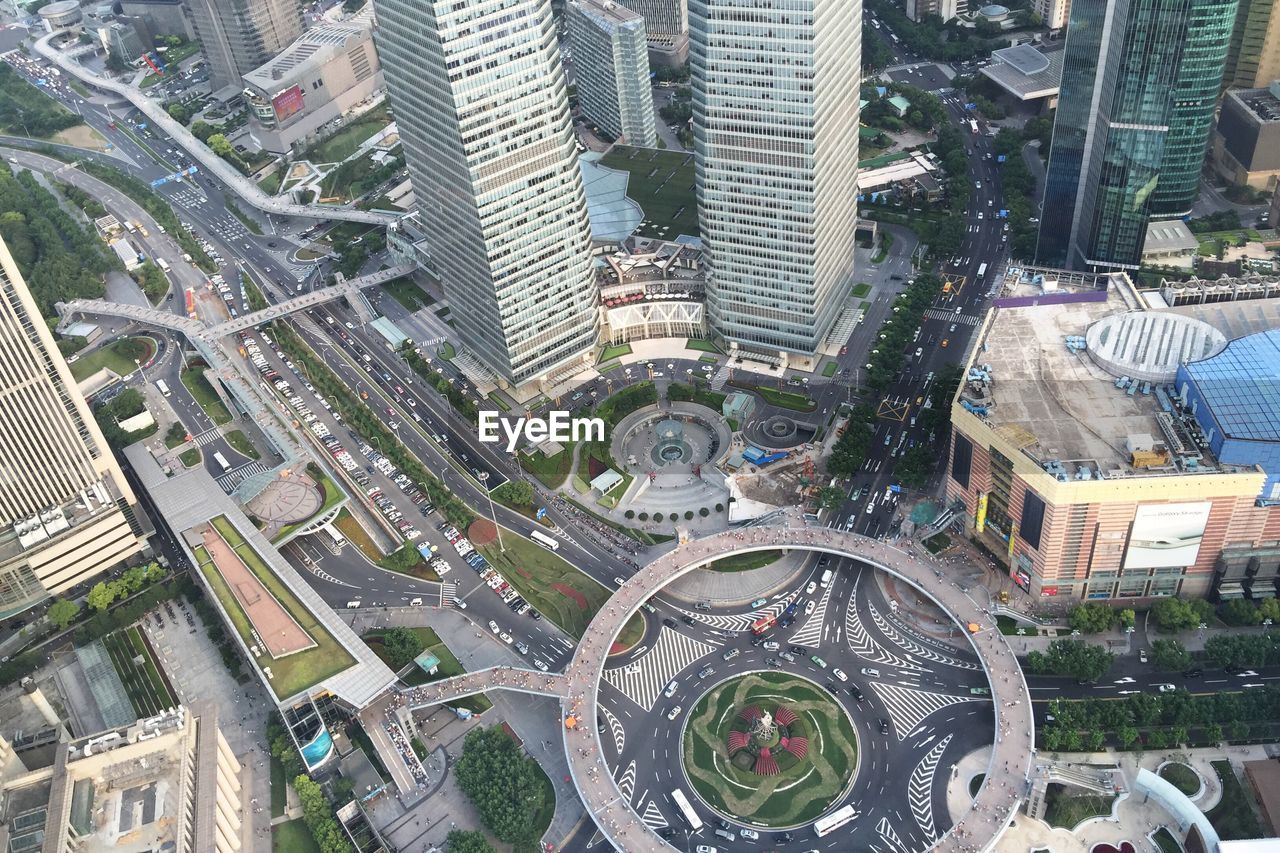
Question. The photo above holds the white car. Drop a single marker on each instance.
(749, 833)
(809, 590)
(809, 606)
(506, 638)
(674, 712)
(839, 673)
(493, 626)
(1166, 688)
(540, 665)
(460, 604)
(671, 690)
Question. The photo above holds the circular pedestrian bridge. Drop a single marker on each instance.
(1011, 758)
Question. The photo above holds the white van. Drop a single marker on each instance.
(826, 579)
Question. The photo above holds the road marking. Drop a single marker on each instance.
(914, 648)
(627, 783)
(615, 726)
(920, 789)
(642, 680)
(652, 816)
(908, 706)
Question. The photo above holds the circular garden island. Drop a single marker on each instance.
(769, 749)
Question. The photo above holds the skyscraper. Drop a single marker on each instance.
(483, 111)
(1054, 13)
(66, 512)
(1195, 95)
(239, 35)
(666, 26)
(1253, 61)
(775, 117)
(612, 60)
(1119, 78)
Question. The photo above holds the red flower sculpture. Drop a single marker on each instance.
(784, 716)
(797, 746)
(766, 764)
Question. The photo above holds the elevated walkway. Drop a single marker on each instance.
(494, 677)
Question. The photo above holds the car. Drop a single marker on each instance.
(1166, 688)
(818, 662)
(540, 665)
(953, 328)
(811, 587)
(977, 184)
(798, 650)
(671, 689)
(870, 672)
(1195, 672)
(884, 726)
(980, 216)
(839, 673)
(759, 602)
(730, 654)
(522, 648)
(706, 671)
(1142, 655)
(460, 604)
(506, 638)
(749, 833)
(919, 351)
(669, 622)
(772, 645)
(946, 342)
(493, 626)
(810, 606)
(705, 848)
(674, 712)
(855, 692)
(687, 619)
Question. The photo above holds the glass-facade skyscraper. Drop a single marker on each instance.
(1204, 54)
(775, 121)
(612, 56)
(483, 111)
(1119, 80)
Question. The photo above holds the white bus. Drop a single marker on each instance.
(686, 810)
(834, 821)
(973, 126)
(982, 270)
(163, 264)
(164, 389)
(221, 460)
(544, 540)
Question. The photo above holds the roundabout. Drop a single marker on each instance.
(768, 749)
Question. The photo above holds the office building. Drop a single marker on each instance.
(1053, 13)
(161, 17)
(121, 39)
(1253, 61)
(66, 512)
(1141, 459)
(483, 111)
(169, 782)
(611, 56)
(1246, 141)
(237, 36)
(1195, 97)
(666, 25)
(917, 10)
(1120, 76)
(775, 119)
(308, 88)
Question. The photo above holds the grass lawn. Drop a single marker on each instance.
(271, 183)
(198, 384)
(701, 345)
(333, 495)
(606, 366)
(117, 356)
(1068, 811)
(496, 399)
(937, 542)
(344, 143)
(279, 793)
(830, 369)
(146, 688)
(1181, 777)
(293, 837)
(1234, 816)
(241, 444)
(785, 399)
(449, 666)
(190, 457)
(631, 633)
(975, 783)
(561, 593)
(357, 535)
(860, 290)
(542, 817)
(612, 353)
(1166, 842)
(297, 671)
(551, 471)
(886, 242)
(1008, 625)
(745, 562)
(407, 293)
(662, 184)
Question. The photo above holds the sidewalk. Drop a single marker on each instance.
(723, 589)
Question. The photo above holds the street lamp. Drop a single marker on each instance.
(484, 480)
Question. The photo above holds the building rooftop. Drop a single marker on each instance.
(1169, 236)
(1036, 379)
(609, 11)
(1264, 104)
(1241, 384)
(314, 47)
(1027, 72)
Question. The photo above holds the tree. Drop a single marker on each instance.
(1270, 609)
(1091, 618)
(1126, 735)
(1127, 617)
(1170, 655)
(1175, 614)
(63, 612)
(504, 785)
(220, 145)
(100, 597)
(914, 467)
(830, 497)
(1084, 661)
(459, 841)
(318, 814)
(179, 113)
(1237, 611)
(1213, 733)
(518, 492)
(401, 645)
(204, 131)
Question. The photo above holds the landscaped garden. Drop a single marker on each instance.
(1181, 777)
(148, 690)
(120, 357)
(745, 562)
(769, 748)
(662, 184)
(1234, 816)
(1067, 811)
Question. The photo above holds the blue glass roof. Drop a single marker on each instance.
(1241, 384)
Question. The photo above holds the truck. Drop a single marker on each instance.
(141, 229)
(826, 579)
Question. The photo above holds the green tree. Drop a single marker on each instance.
(1176, 614)
(503, 784)
(1170, 655)
(1127, 618)
(1238, 729)
(1270, 609)
(100, 596)
(1126, 735)
(401, 645)
(460, 841)
(204, 131)
(1081, 660)
(914, 467)
(830, 497)
(220, 145)
(1213, 733)
(1091, 617)
(518, 492)
(179, 113)
(63, 612)
(318, 814)
(1237, 611)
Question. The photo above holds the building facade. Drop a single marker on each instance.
(666, 24)
(1246, 140)
(313, 83)
(917, 10)
(775, 121)
(1119, 79)
(611, 56)
(483, 111)
(1195, 98)
(162, 17)
(1253, 61)
(1054, 13)
(237, 36)
(66, 512)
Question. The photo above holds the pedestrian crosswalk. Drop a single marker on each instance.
(448, 593)
(908, 706)
(209, 435)
(916, 649)
(810, 633)
(642, 681)
(736, 622)
(951, 316)
(722, 376)
(920, 789)
(232, 479)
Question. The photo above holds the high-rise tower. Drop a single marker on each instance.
(1253, 61)
(237, 36)
(66, 512)
(1120, 75)
(612, 58)
(775, 118)
(483, 111)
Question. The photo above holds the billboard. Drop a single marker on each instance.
(287, 103)
(1166, 535)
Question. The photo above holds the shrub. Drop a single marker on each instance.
(657, 516)
(644, 516)
(704, 512)
(719, 507)
(688, 514)
(631, 513)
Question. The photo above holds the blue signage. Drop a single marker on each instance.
(895, 488)
(541, 513)
(1000, 158)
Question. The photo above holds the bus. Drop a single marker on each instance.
(221, 460)
(834, 821)
(982, 270)
(686, 810)
(763, 624)
(163, 264)
(973, 126)
(895, 38)
(164, 389)
(544, 540)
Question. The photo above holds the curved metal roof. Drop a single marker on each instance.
(1241, 386)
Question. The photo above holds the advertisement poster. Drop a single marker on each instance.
(287, 103)
(1166, 535)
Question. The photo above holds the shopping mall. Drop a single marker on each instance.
(1116, 443)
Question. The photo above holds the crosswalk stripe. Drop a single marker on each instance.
(861, 642)
(810, 633)
(230, 480)
(736, 622)
(652, 816)
(908, 706)
(206, 437)
(951, 317)
(914, 648)
(641, 681)
(886, 831)
(448, 592)
(920, 789)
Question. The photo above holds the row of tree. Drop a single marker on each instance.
(1093, 618)
(930, 37)
(889, 353)
(850, 450)
(461, 403)
(1018, 189)
(26, 111)
(317, 812)
(1076, 658)
(506, 786)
